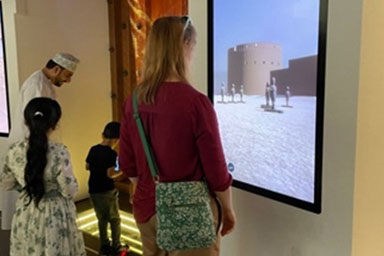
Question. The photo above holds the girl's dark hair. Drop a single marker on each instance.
(40, 114)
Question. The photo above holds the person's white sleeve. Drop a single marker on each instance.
(66, 179)
(28, 92)
(31, 91)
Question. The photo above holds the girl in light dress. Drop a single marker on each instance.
(45, 219)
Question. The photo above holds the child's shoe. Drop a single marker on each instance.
(106, 250)
(121, 250)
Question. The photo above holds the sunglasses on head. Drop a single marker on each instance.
(187, 21)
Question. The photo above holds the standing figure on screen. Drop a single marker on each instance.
(222, 92)
(267, 94)
(233, 91)
(273, 92)
(241, 93)
(287, 95)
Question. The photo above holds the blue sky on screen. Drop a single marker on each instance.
(291, 23)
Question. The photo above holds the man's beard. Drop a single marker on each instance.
(58, 83)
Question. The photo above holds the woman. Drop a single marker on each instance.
(45, 219)
(182, 127)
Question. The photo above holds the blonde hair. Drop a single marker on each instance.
(164, 55)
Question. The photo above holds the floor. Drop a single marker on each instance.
(91, 242)
(4, 241)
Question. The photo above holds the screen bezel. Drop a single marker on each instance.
(314, 207)
(2, 134)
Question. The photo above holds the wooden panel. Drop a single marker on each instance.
(115, 46)
(140, 26)
(156, 9)
(128, 51)
(142, 13)
(129, 22)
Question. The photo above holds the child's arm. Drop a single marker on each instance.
(133, 180)
(112, 174)
(88, 160)
(132, 188)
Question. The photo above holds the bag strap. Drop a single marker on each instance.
(144, 141)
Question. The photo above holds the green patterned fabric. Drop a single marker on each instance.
(184, 216)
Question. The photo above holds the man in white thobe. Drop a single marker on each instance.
(58, 70)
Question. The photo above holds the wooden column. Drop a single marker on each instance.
(129, 24)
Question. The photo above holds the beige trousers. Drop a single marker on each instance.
(150, 248)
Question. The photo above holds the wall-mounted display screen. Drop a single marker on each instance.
(4, 104)
(267, 61)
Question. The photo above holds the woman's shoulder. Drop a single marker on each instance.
(185, 87)
(187, 90)
(190, 97)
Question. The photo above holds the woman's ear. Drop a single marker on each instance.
(187, 42)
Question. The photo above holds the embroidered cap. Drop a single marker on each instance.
(66, 60)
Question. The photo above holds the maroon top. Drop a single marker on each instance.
(183, 130)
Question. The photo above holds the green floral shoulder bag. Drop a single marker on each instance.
(183, 212)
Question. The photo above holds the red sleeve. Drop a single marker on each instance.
(126, 156)
(209, 145)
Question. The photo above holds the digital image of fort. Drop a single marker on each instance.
(254, 64)
(250, 65)
(300, 76)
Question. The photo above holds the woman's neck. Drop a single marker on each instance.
(172, 78)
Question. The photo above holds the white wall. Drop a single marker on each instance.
(44, 27)
(268, 228)
(199, 69)
(9, 9)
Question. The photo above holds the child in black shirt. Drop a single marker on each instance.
(101, 161)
